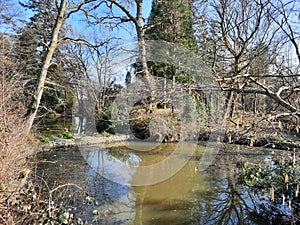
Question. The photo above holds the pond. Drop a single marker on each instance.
(190, 196)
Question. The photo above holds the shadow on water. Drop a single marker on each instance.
(189, 197)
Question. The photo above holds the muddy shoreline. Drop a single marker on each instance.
(230, 138)
(82, 140)
(270, 142)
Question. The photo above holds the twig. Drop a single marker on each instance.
(55, 189)
(45, 161)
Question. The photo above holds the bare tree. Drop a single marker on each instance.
(64, 12)
(131, 12)
(286, 17)
(9, 15)
(235, 36)
(60, 19)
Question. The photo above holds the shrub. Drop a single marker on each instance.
(66, 135)
(47, 138)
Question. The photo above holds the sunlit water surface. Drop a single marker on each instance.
(190, 196)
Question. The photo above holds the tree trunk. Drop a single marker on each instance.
(47, 63)
(143, 53)
(254, 104)
(232, 104)
(141, 40)
(228, 104)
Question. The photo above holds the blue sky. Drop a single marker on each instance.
(127, 33)
(76, 21)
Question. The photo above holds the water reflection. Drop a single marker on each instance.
(188, 197)
(227, 204)
(140, 168)
(116, 164)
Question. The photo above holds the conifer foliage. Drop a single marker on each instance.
(172, 22)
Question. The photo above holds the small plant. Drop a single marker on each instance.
(47, 138)
(105, 134)
(65, 216)
(252, 136)
(278, 177)
(66, 135)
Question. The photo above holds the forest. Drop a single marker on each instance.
(160, 70)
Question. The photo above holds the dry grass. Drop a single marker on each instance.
(22, 199)
(15, 142)
(15, 147)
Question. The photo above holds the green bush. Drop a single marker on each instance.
(66, 135)
(105, 134)
(47, 138)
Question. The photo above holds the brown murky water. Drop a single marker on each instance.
(190, 196)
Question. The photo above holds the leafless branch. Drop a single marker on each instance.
(82, 41)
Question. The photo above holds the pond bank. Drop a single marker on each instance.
(82, 140)
(268, 141)
(229, 137)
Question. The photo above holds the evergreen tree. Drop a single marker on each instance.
(173, 23)
(34, 36)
